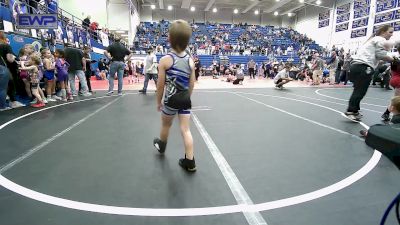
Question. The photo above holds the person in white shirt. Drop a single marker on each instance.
(239, 75)
(150, 70)
(283, 76)
(363, 66)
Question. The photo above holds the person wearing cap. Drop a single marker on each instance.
(117, 53)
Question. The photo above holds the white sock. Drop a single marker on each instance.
(63, 93)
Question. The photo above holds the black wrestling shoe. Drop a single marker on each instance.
(187, 164)
(356, 117)
(159, 145)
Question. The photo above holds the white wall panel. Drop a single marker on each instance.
(146, 14)
(307, 22)
(222, 16)
(118, 16)
(97, 9)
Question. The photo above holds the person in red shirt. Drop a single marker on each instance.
(394, 82)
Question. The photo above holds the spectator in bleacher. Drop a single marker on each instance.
(32, 5)
(86, 22)
(94, 27)
(117, 53)
(52, 6)
(150, 70)
(75, 59)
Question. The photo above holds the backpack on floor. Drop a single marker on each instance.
(385, 138)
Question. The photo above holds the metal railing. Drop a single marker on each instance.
(66, 18)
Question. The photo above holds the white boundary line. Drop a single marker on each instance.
(336, 103)
(237, 189)
(349, 88)
(341, 99)
(302, 118)
(33, 150)
(311, 103)
(8, 184)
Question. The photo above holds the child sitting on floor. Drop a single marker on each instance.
(394, 108)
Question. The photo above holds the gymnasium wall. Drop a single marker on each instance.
(336, 33)
(118, 16)
(307, 23)
(222, 16)
(82, 8)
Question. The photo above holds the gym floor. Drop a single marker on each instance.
(264, 156)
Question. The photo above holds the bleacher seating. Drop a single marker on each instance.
(154, 34)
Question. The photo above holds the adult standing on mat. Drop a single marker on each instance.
(8, 60)
(150, 70)
(6, 54)
(363, 66)
(251, 67)
(75, 59)
(197, 66)
(117, 53)
(88, 71)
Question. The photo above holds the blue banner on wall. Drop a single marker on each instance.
(343, 9)
(343, 18)
(359, 33)
(324, 15)
(323, 23)
(361, 12)
(361, 4)
(396, 25)
(383, 5)
(385, 17)
(360, 23)
(342, 27)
